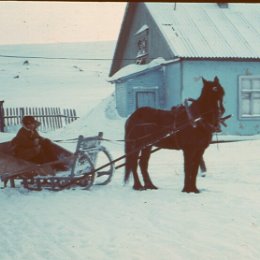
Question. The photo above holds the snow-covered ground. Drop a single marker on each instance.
(114, 221)
(75, 79)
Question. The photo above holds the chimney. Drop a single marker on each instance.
(222, 5)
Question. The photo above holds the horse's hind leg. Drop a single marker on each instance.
(198, 158)
(137, 183)
(203, 168)
(143, 163)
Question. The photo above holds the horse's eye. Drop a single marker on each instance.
(215, 89)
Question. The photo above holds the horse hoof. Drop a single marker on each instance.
(191, 190)
(150, 187)
(137, 187)
(186, 190)
(196, 190)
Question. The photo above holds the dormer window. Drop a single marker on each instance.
(142, 48)
(142, 45)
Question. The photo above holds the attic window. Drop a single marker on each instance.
(142, 45)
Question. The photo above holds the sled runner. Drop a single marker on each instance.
(81, 171)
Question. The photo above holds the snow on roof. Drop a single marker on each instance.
(137, 68)
(142, 29)
(196, 30)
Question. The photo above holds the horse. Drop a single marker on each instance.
(188, 127)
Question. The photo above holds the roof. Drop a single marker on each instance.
(136, 69)
(205, 30)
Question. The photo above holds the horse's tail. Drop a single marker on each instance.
(128, 168)
(128, 150)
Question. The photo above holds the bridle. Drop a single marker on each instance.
(213, 127)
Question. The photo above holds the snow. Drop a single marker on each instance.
(142, 29)
(114, 221)
(137, 68)
(75, 68)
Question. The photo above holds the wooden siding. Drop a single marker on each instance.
(173, 85)
(152, 81)
(122, 99)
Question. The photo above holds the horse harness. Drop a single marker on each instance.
(174, 129)
(193, 121)
(206, 125)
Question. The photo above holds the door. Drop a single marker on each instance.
(145, 99)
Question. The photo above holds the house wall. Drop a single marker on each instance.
(173, 85)
(127, 89)
(122, 99)
(228, 73)
(165, 80)
(174, 82)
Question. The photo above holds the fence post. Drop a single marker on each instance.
(22, 114)
(2, 116)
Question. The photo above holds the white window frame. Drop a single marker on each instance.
(141, 38)
(251, 92)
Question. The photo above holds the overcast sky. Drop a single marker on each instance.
(53, 22)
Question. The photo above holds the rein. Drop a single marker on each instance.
(192, 121)
(170, 128)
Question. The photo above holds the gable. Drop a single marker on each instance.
(140, 40)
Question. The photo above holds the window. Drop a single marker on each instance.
(249, 97)
(142, 45)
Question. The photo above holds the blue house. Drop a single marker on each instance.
(164, 50)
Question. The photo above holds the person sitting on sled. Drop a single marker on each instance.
(30, 146)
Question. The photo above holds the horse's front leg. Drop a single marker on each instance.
(187, 170)
(203, 167)
(192, 160)
(143, 163)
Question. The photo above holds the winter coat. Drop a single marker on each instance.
(26, 143)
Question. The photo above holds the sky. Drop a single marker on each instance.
(54, 22)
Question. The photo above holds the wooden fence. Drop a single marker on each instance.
(51, 118)
(1, 116)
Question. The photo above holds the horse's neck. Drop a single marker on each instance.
(205, 105)
(195, 108)
(207, 110)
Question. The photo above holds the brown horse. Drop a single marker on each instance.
(185, 127)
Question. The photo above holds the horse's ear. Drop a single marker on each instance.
(204, 81)
(216, 80)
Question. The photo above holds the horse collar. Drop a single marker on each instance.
(192, 120)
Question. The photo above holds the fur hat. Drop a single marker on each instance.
(30, 120)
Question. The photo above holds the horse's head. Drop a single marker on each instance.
(211, 99)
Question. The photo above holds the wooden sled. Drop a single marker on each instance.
(82, 163)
